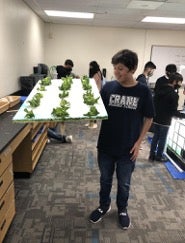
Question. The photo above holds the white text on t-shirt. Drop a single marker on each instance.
(128, 102)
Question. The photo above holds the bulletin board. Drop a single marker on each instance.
(164, 55)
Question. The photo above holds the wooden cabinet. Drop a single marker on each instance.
(7, 197)
(27, 154)
(21, 148)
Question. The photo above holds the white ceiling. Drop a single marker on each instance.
(113, 13)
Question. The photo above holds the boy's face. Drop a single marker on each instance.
(122, 73)
(177, 84)
(68, 68)
(150, 72)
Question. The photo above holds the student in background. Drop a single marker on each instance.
(128, 104)
(95, 72)
(53, 132)
(165, 103)
(170, 68)
(65, 70)
(148, 71)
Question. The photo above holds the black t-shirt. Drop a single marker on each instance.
(62, 71)
(166, 103)
(161, 82)
(142, 79)
(126, 108)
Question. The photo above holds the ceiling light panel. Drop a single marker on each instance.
(164, 20)
(68, 14)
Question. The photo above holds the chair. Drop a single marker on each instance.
(43, 69)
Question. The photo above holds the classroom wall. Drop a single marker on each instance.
(25, 41)
(84, 43)
(21, 43)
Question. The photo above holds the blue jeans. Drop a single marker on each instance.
(158, 140)
(52, 133)
(124, 168)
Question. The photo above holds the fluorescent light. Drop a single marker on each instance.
(67, 14)
(164, 20)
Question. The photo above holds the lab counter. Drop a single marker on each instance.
(8, 129)
(20, 148)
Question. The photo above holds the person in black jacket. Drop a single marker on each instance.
(170, 68)
(165, 103)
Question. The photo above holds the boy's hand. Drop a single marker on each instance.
(135, 151)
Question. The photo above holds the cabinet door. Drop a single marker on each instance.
(6, 221)
(6, 179)
(6, 202)
(5, 159)
(27, 154)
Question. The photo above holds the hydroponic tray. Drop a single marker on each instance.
(50, 100)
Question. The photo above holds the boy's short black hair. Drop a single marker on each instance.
(171, 68)
(127, 58)
(94, 64)
(175, 77)
(69, 62)
(150, 65)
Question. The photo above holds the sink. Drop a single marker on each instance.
(4, 105)
(13, 100)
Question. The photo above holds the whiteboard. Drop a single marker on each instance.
(164, 55)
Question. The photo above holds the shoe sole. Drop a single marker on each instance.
(125, 228)
(94, 222)
(69, 139)
(92, 127)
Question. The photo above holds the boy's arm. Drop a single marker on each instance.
(173, 107)
(135, 149)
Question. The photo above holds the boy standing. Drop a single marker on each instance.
(128, 103)
(165, 103)
(170, 69)
(148, 71)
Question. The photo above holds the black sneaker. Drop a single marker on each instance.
(98, 214)
(124, 220)
(161, 159)
(151, 158)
